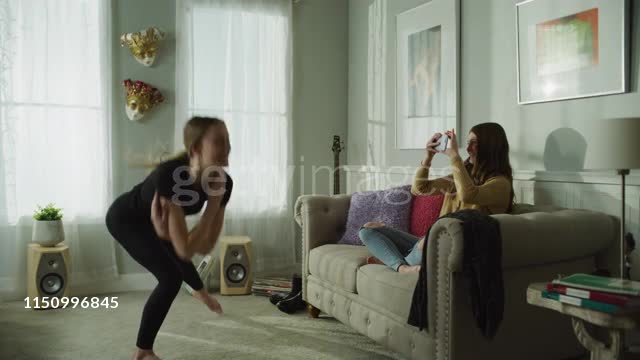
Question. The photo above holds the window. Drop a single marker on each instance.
(237, 68)
(54, 108)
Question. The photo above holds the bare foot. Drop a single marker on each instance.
(409, 269)
(208, 300)
(140, 354)
(421, 244)
(373, 225)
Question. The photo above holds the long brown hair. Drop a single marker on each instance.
(492, 156)
(192, 134)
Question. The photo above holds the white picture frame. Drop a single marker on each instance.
(427, 72)
(571, 49)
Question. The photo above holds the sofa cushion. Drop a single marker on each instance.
(425, 210)
(386, 288)
(338, 264)
(391, 206)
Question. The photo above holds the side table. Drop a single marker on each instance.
(616, 324)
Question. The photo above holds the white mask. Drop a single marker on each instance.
(141, 98)
(133, 115)
(143, 44)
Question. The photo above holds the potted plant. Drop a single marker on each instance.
(47, 229)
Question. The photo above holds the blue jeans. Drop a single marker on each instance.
(393, 247)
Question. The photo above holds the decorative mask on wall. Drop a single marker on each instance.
(141, 97)
(143, 44)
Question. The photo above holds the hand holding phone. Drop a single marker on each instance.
(444, 142)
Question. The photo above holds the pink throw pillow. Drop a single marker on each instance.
(425, 210)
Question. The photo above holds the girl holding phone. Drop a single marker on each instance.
(483, 181)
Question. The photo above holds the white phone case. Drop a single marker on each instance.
(444, 142)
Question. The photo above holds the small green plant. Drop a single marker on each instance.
(48, 213)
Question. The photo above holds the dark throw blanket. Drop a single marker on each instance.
(481, 269)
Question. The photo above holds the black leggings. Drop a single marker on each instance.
(158, 256)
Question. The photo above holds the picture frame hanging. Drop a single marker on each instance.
(571, 49)
(427, 72)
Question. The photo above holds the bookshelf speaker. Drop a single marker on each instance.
(236, 261)
(48, 271)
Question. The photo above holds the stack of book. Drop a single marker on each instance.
(610, 295)
(269, 285)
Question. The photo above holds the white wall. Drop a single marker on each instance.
(320, 87)
(320, 92)
(131, 141)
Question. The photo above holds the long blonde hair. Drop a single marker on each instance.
(192, 134)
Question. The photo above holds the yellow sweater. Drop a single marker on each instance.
(460, 192)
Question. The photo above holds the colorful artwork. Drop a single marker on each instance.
(424, 73)
(568, 43)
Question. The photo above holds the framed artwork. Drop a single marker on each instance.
(571, 49)
(426, 72)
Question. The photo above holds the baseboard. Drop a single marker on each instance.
(7, 287)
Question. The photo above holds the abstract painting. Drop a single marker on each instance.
(424, 75)
(568, 43)
(571, 49)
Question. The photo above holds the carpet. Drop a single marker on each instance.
(251, 328)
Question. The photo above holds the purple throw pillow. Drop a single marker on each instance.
(391, 206)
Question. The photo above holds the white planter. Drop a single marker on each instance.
(47, 233)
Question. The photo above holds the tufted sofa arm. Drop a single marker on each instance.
(322, 219)
(529, 240)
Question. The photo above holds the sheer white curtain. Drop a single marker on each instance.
(55, 75)
(234, 62)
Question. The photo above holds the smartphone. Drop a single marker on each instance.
(444, 141)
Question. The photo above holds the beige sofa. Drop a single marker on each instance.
(539, 243)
